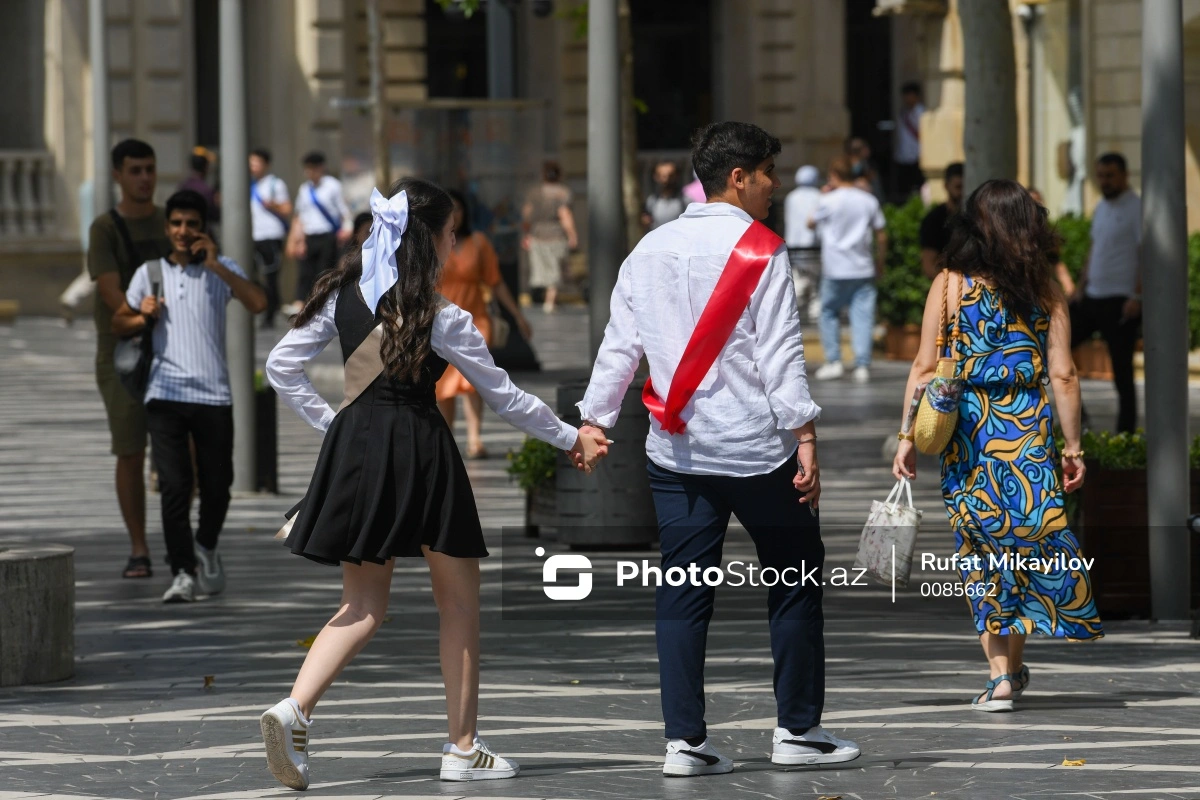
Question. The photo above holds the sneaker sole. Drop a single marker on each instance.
(798, 760)
(691, 771)
(178, 598)
(462, 775)
(278, 761)
(993, 706)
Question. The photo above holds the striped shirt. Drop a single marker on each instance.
(189, 338)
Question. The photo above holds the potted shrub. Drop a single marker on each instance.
(1113, 525)
(903, 287)
(533, 467)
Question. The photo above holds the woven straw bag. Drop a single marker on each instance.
(937, 415)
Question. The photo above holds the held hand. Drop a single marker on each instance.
(296, 247)
(808, 475)
(203, 243)
(590, 446)
(1073, 472)
(523, 327)
(905, 463)
(150, 306)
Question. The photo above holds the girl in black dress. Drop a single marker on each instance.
(389, 481)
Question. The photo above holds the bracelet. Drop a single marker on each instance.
(587, 423)
(904, 437)
(806, 439)
(1068, 454)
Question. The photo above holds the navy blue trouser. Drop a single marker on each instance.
(693, 515)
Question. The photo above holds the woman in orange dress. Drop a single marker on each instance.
(472, 265)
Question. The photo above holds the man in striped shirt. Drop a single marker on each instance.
(188, 393)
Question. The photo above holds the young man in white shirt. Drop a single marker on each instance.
(1108, 297)
(270, 210)
(321, 223)
(804, 248)
(907, 154)
(733, 431)
(850, 221)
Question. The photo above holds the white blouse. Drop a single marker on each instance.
(454, 338)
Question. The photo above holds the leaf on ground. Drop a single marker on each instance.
(209, 680)
(830, 797)
(306, 643)
(387, 619)
(575, 683)
(1074, 762)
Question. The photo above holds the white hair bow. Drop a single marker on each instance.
(379, 271)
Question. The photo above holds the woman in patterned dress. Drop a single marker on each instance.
(1011, 334)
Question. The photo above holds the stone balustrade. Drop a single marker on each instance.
(26, 194)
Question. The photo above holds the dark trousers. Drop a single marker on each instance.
(909, 178)
(693, 514)
(268, 253)
(1104, 315)
(320, 256)
(211, 428)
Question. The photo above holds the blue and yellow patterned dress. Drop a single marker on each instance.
(1000, 482)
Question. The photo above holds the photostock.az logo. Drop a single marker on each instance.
(550, 576)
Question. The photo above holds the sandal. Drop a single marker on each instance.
(138, 567)
(988, 704)
(477, 453)
(1021, 682)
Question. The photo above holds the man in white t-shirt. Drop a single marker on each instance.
(849, 221)
(320, 224)
(907, 153)
(270, 210)
(804, 248)
(1108, 297)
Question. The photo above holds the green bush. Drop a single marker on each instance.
(1194, 291)
(534, 464)
(1076, 233)
(1125, 450)
(903, 288)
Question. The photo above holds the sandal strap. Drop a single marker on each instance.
(992, 684)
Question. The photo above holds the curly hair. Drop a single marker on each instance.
(408, 310)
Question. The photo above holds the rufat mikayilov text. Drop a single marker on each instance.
(1007, 562)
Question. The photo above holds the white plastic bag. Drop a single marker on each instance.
(891, 528)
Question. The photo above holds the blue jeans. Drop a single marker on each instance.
(693, 514)
(859, 294)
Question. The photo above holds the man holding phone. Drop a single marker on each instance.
(188, 391)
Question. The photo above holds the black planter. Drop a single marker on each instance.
(266, 445)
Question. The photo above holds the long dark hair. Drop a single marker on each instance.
(1003, 235)
(464, 229)
(408, 310)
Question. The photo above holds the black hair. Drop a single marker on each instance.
(953, 170)
(414, 298)
(262, 153)
(199, 164)
(464, 228)
(188, 200)
(1112, 159)
(551, 172)
(720, 148)
(911, 87)
(314, 159)
(362, 218)
(130, 148)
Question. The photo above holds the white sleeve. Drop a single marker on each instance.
(139, 287)
(456, 339)
(778, 350)
(618, 359)
(878, 220)
(281, 192)
(343, 209)
(821, 212)
(285, 366)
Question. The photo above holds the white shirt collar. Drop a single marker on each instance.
(716, 209)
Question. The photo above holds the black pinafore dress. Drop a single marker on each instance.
(389, 478)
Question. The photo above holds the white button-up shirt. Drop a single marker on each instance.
(454, 338)
(264, 224)
(740, 419)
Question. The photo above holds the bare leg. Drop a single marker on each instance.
(447, 408)
(551, 296)
(131, 496)
(365, 591)
(996, 649)
(456, 592)
(473, 411)
(1016, 652)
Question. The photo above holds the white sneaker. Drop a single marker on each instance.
(861, 374)
(816, 746)
(477, 764)
(183, 589)
(210, 572)
(684, 761)
(285, 735)
(831, 371)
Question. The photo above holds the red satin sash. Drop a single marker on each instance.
(729, 299)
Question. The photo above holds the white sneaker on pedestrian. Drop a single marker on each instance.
(210, 572)
(183, 589)
(285, 734)
(479, 763)
(830, 371)
(861, 374)
(683, 760)
(815, 746)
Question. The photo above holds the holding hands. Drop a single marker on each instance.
(590, 446)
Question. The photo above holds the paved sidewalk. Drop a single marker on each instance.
(575, 702)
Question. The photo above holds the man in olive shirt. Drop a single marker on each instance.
(141, 224)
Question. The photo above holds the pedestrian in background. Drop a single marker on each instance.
(1009, 328)
(118, 243)
(549, 233)
(907, 156)
(853, 253)
(934, 234)
(188, 392)
(694, 191)
(320, 223)
(270, 211)
(804, 247)
(197, 181)
(667, 202)
(866, 174)
(1108, 297)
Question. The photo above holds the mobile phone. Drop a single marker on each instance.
(199, 257)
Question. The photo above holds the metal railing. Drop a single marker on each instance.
(26, 194)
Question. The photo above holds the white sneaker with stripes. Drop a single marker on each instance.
(815, 746)
(285, 733)
(477, 764)
(684, 760)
